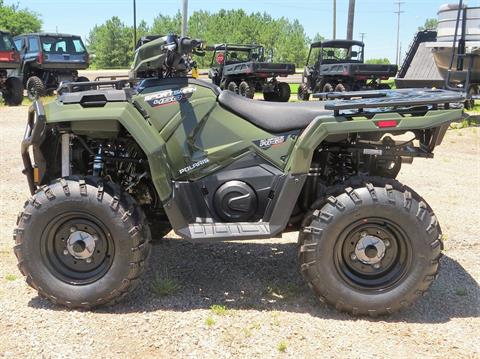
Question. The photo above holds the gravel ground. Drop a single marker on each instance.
(269, 312)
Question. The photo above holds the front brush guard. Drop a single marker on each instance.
(34, 136)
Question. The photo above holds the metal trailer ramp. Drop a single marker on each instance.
(418, 69)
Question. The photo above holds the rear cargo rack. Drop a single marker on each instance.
(402, 100)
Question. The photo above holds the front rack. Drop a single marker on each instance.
(402, 100)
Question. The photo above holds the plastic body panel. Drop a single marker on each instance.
(176, 136)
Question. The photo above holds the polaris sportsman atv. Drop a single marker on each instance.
(112, 167)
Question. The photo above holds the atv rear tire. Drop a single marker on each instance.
(82, 243)
(247, 90)
(372, 249)
(35, 88)
(232, 86)
(13, 95)
(303, 94)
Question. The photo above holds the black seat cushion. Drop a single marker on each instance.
(273, 116)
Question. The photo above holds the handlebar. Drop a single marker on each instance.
(187, 45)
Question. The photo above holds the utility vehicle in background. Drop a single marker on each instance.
(11, 87)
(338, 66)
(47, 59)
(242, 69)
(113, 167)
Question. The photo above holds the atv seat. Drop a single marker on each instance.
(273, 117)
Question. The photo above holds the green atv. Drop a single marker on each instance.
(113, 167)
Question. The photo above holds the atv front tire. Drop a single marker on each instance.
(13, 95)
(35, 88)
(372, 249)
(82, 243)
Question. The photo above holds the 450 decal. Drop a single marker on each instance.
(266, 143)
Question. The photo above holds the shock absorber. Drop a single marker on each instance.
(98, 162)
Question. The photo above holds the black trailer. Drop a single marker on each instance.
(243, 70)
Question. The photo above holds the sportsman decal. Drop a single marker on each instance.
(169, 97)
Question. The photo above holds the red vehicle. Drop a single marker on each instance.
(10, 87)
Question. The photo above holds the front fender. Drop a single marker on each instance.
(323, 126)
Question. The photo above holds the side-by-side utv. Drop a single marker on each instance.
(11, 88)
(338, 66)
(112, 168)
(242, 69)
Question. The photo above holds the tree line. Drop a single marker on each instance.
(112, 42)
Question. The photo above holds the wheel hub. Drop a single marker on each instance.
(370, 250)
(81, 245)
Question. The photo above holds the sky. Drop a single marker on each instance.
(375, 18)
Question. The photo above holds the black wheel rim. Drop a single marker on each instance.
(379, 274)
(60, 260)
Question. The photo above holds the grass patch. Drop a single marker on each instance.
(282, 346)
(210, 321)
(219, 309)
(275, 318)
(163, 285)
(294, 88)
(11, 277)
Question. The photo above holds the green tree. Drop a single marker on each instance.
(379, 61)
(165, 24)
(112, 44)
(430, 24)
(17, 20)
(286, 39)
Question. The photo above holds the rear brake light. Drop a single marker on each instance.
(40, 57)
(87, 58)
(7, 56)
(386, 123)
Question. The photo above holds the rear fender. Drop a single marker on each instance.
(322, 127)
(98, 121)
